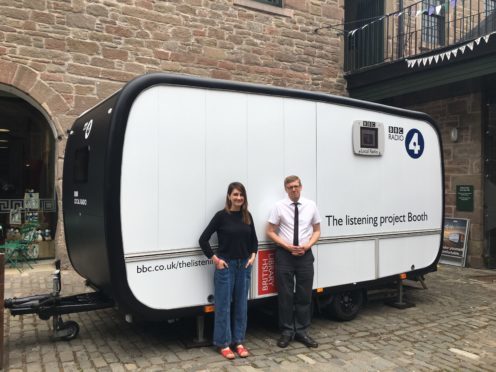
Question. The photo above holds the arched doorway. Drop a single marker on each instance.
(27, 170)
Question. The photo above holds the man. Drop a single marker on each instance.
(294, 225)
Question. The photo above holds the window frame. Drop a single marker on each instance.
(489, 6)
(264, 7)
(277, 3)
(433, 26)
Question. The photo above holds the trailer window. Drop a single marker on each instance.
(81, 161)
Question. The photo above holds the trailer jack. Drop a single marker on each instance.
(53, 305)
(64, 330)
(399, 302)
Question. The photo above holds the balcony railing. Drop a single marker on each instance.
(417, 29)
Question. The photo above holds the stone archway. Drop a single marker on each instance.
(30, 86)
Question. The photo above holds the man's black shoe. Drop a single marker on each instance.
(306, 340)
(284, 341)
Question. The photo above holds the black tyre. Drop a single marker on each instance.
(68, 331)
(346, 305)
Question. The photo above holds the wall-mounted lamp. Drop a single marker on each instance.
(4, 130)
(454, 135)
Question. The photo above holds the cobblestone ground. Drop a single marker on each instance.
(452, 328)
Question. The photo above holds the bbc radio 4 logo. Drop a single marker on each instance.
(414, 140)
(396, 134)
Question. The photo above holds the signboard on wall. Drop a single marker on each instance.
(465, 198)
(455, 239)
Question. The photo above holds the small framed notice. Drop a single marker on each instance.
(455, 239)
(465, 198)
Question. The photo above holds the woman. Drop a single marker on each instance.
(237, 250)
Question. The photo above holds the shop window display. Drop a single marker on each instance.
(27, 174)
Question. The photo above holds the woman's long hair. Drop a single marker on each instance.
(244, 208)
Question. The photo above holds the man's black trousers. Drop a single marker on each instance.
(294, 285)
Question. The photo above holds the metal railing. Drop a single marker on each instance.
(417, 29)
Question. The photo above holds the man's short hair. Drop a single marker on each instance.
(290, 179)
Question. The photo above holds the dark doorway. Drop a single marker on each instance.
(27, 172)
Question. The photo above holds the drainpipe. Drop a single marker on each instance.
(401, 31)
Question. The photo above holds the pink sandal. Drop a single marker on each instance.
(242, 351)
(227, 353)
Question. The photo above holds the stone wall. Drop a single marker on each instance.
(462, 161)
(85, 49)
(67, 55)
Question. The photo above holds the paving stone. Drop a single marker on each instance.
(104, 369)
(110, 358)
(85, 364)
(70, 367)
(306, 359)
(66, 356)
(99, 362)
(116, 367)
(171, 358)
(246, 369)
(381, 364)
(34, 367)
(33, 357)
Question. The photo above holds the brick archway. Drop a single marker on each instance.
(30, 82)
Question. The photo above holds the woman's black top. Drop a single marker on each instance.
(236, 238)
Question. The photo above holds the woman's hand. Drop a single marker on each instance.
(220, 264)
(250, 260)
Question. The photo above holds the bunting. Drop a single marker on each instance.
(424, 61)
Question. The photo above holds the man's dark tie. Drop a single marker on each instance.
(296, 227)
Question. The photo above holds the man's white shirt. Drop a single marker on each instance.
(282, 215)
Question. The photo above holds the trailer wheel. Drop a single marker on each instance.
(68, 330)
(346, 305)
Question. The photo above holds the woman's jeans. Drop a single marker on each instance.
(231, 284)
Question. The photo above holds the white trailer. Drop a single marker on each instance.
(146, 170)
